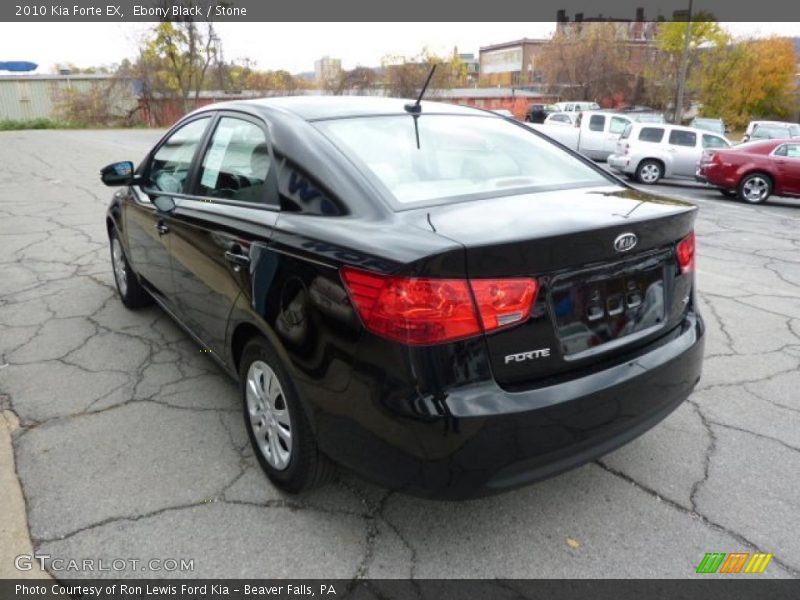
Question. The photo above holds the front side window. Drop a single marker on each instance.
(713, 141)
(438, 158)
(597, 122)
(169, 168)
(236, 163)
(678, 137)
(651, 134)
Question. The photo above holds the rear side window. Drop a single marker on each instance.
(713, 141)
(597, 122)
(788, 150)
(651, 134)
(617, 125)
(678, 137)
(626, 132)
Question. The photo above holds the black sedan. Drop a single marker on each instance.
(433, 296)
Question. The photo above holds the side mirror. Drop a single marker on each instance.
(164, 204)
(118, 173)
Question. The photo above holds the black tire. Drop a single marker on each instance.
(755, 188)
(649, 172)
(131, 292)
(307, 467)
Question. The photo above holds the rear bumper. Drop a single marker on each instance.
(490, 439)
(618, 163)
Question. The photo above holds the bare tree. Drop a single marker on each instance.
(590, 60)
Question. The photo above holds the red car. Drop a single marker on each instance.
(754, 170)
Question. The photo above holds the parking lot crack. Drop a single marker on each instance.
(793, 570)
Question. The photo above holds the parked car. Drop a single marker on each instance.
(754, 171)
(576, 106)
(561, 118)
(647, 117)
(392, 285)
(770, 130)
(636, 108)
(712, 125)
(537, 113)
(648, 152)
(594, 133)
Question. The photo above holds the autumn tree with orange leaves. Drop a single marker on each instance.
(748, 80)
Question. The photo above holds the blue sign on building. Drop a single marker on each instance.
(17, 65)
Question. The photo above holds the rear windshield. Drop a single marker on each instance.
(447, 158)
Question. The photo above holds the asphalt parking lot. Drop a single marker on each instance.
(131, 443)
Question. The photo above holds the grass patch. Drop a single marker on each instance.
(18, 125)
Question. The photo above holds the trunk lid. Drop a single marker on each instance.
(598, 298)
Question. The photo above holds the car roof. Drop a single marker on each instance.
(311, 108)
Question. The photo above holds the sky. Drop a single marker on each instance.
(290, 46)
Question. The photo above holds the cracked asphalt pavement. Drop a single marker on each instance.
(131, 443)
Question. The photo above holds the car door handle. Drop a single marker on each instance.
(240, 260)
(162, 228)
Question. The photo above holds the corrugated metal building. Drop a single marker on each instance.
(36, 96)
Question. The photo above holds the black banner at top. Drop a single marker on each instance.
(400, 10)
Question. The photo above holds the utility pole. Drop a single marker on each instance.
(684, 66)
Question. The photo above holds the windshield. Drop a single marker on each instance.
(710, 125)
(455, 157)
(771, 131)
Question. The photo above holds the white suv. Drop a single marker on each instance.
(649, 151)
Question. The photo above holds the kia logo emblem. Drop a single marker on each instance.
(625, 242)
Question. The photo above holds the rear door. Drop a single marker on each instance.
(616, 125)
(788, 163)
(685, 150)
(223, 229)
(593, 135)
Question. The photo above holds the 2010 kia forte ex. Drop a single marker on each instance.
(433, 296)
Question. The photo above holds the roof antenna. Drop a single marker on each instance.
(415, 108)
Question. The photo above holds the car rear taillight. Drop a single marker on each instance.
(685, 253)
(503, 302)
(416, 311)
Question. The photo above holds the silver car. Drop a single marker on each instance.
(648, 152)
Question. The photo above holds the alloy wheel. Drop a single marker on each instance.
(650, 173)
(755, 189)
(119, 266)
(269, 415)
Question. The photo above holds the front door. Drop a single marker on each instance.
(789, 168)
(221, 230)
(148, 227)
